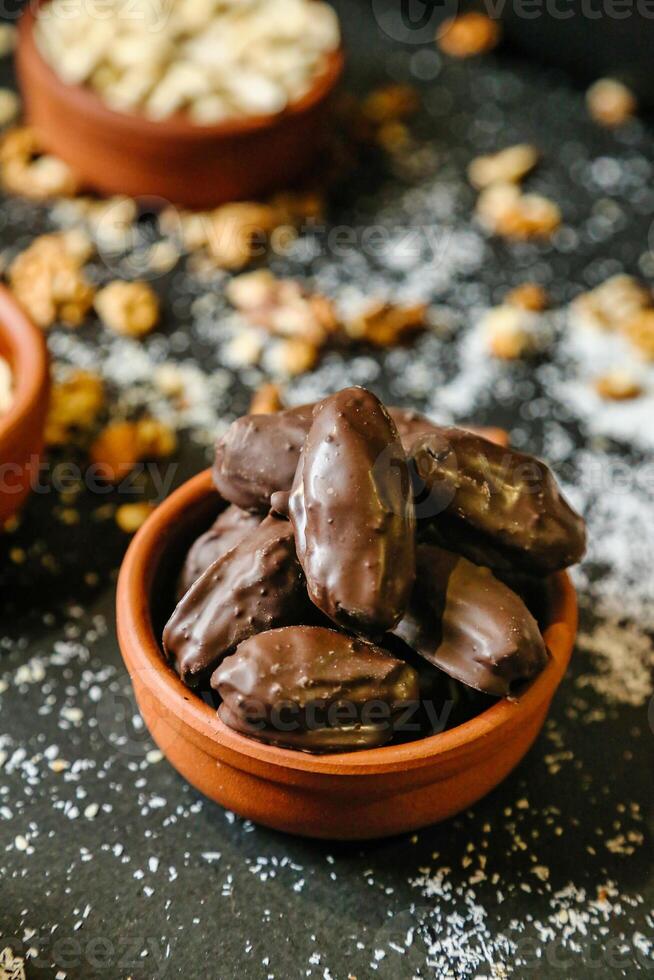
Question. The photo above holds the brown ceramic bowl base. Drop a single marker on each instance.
(21, 428)
(366, 794)
(173, 159)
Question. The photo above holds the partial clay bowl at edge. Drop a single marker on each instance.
(371, 793)
(21, 428)
(172, 159)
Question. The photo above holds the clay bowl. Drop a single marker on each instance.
(194, 166)
(371, 793)
(21, 428)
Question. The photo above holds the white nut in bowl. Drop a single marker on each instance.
(257, 56)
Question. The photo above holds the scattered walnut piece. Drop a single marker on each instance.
(169, 380)
(282, 307)
(386, 325)
(294, 207)
(504, 210)
(8, 39)
(77, 244)
(48, 281)
(618, 385)
(75, 404)
(27, 171)
(235, 232)
(613, 303)
(468, 34)
(610, 102)
(640, 331)
(129, 308)
(390, 103)
(291, 357)
(130, 517)
(9, 106)
(244, 349)
(508, 166)
(528, 296)
(393, 137)
(507, 333)
(266, 400)
(121, 445)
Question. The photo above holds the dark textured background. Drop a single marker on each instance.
(159, 882)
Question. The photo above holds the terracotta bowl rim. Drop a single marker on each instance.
(142, 653)
(29, 363)
(84, 101)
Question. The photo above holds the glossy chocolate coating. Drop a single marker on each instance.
(258, 456)
(494, 505)
(352, 510)
(256, 586)
(231, 526)
(313, 688)
(471, 625)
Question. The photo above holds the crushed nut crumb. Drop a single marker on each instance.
(640, 331)
(610, 102)
(121, 445)
(613, 303)
(528, 296)
(508, 333)
(386, 324)
(75, 404)
(467, 35)
(507, 166)
(390, 103)
(48, 281)
(504, 210)
(28, 171)
(266, 400)
(129, 308)
(618, 385)
(291, 357)
(9, 106)
(130, 517)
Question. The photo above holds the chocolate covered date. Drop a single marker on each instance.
(470, 625)
(256, 586)
(494, 505)
(352, 511)
(230, 527)
(258, 456)
(314, 689)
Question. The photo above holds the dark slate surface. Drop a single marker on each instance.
(113, 867)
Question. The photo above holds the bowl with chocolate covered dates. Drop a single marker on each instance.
(354, 623)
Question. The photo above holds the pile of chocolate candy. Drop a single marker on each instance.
(366, 556)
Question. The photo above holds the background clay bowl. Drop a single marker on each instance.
(21, 429)
(195, 166)
(372, 793)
